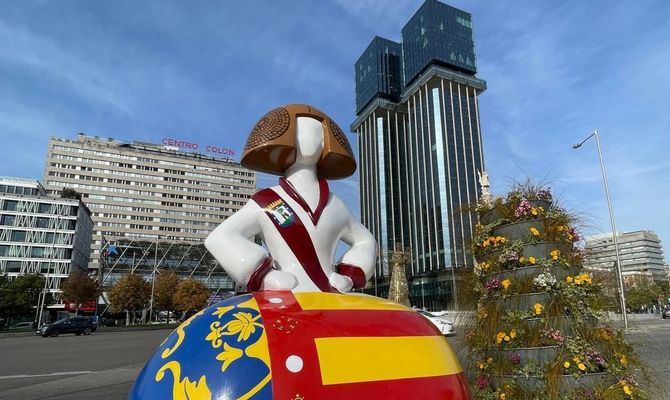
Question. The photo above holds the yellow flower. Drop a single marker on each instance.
(538, 308)
(554, 254)
(533, 211)
(502, 239)
(489, 360)
(623, 360)
(222, 310)
(575, 359)
(512, 333)
(486, 243)
(531, 260)
(480, 365)
(581, 367)
(534, 231)
(568, 279)
(507, 338)
(627, 390)
(243, 325)
(522, 260)
(566, 364)
(228, 355)
(502, 396)
(506, 283)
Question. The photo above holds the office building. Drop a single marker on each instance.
(640, 252)
(147, 193)
(421, 147)
(40, 234)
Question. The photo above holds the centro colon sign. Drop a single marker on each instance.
(224, 152)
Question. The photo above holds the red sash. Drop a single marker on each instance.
(295, 235)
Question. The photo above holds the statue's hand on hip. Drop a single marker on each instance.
(279, 280)
(340, 282)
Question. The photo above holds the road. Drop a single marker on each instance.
(100, 366)
(105, 364)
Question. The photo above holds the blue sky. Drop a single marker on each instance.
(206, 71)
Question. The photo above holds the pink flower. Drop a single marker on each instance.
(482, 382)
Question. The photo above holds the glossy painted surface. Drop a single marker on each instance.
(300, 216)
(284, 345)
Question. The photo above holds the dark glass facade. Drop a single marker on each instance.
(378, 72)
(419, 158)
(438, 34)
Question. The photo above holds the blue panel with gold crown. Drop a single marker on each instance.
(220, 352)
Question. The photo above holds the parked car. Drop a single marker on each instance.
(76, 325)
(666, 313)
(440, 320)
(21, 325)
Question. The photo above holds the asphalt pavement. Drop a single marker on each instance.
(100, 366)
(103, 366)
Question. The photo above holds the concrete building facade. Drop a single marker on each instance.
(146, 192)
(40, 234)
(641, 255)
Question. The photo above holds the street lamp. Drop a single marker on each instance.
(622, 294)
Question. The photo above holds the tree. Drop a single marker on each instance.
(79, 288)
(165, 286)
(191, 295)
(129, 294)
(643, 295)
(19, 297)
(69, 193)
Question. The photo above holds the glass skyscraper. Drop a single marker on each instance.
(420, 151)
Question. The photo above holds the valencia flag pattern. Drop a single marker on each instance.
(333, 346)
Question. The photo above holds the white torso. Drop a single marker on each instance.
(325, 236)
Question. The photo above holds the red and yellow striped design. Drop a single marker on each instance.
(355, 347)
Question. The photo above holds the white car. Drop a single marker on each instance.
(440, 320)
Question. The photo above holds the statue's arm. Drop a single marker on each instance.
(358, 263)
(232, 244)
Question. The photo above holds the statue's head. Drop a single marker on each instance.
(298, 134)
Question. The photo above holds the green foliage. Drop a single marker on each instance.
(191, 295)
(532, 298)
(130, 293)
(19, 296)
(79, 288)
(165, 287)
(69, 193)
(646, 294)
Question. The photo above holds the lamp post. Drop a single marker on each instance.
(622, 294)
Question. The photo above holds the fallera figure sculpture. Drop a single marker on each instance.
(300, 333)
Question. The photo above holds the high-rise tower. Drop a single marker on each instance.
(420, 146)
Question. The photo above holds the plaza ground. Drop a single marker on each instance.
(105, 364)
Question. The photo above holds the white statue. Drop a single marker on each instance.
(487, 198)
(299, 220)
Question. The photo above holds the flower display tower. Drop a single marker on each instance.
(539, 330)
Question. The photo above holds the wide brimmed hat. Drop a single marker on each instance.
(271, 146)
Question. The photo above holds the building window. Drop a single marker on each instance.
(44, 208)
(4, 250)
(14, 266)
(19, 236)
(42, 222)
(11, 205)
(37, 252)
(7, 220)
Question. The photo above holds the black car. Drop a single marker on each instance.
(76, 325)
